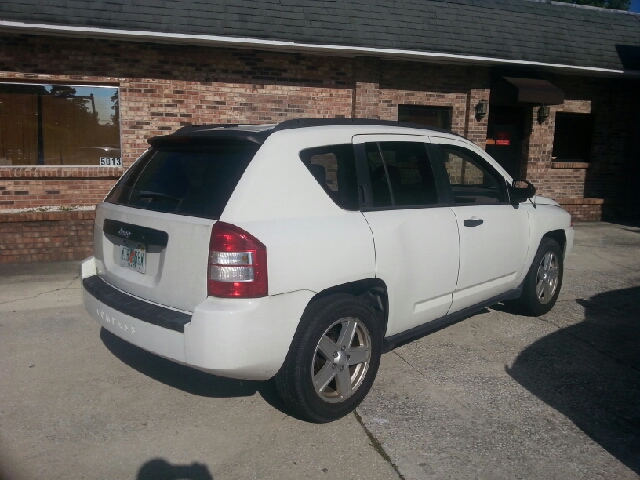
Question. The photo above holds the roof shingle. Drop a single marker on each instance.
(511, 30)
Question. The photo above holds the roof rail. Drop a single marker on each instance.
(259, 133)
(318, 122)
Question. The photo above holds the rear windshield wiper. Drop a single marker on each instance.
(149, 194)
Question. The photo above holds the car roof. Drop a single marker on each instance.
(259, 133)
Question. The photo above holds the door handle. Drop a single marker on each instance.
(473, 222)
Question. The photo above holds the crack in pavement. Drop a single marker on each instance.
(377, 445)
(42, 293)
(407, 362)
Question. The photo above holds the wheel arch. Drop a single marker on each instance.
(371, 290)
(559, 236)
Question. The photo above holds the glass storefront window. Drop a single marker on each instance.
(59, 125)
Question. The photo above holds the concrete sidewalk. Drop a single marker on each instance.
(495, 396)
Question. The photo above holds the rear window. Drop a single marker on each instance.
(193, 180)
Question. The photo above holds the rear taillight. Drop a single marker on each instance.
(237, 263)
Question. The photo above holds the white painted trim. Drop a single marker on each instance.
(292, 46)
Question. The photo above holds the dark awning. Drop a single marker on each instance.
(512, 91)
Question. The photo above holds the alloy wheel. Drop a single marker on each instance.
(547, 277)
(341, 360)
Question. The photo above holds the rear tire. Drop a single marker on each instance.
(333, 359)
(543, 281)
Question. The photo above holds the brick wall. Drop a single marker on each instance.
(476, 128)
(152, 107)
(163, 87)
(380, 86)
(562, 181)
(584, 209)
(460, 88)
(589, 190)
(31, 187)
(366, 88)
(45, 237)
(555, 178)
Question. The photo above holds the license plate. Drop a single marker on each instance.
(134, 256)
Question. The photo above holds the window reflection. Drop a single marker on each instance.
(59, 125)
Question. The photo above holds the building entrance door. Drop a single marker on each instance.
(505, 135)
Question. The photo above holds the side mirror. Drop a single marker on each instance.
(521, 190)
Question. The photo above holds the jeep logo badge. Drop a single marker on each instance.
(124, 233)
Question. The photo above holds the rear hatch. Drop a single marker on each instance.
(152, 232)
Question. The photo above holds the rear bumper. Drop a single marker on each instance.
(238, 338)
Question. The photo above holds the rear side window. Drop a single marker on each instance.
(334, 167)
(193, 180)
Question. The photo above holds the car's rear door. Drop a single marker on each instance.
(415, 233)
(494, 234)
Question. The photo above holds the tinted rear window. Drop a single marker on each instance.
(334, 167)
(194, 180)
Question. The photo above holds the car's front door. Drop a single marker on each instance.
(494, 234)
(415, 233)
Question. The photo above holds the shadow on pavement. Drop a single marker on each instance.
(590, 372)
(160, 469)
(186, 378)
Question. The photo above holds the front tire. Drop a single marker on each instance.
(544, 280)
(333, 359)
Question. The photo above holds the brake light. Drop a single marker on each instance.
(237, 263)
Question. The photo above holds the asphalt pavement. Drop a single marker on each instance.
(497, 395)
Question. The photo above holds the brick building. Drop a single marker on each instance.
(550, 90)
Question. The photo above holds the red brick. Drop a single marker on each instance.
(29, 237)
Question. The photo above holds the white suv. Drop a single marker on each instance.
(305, 250)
